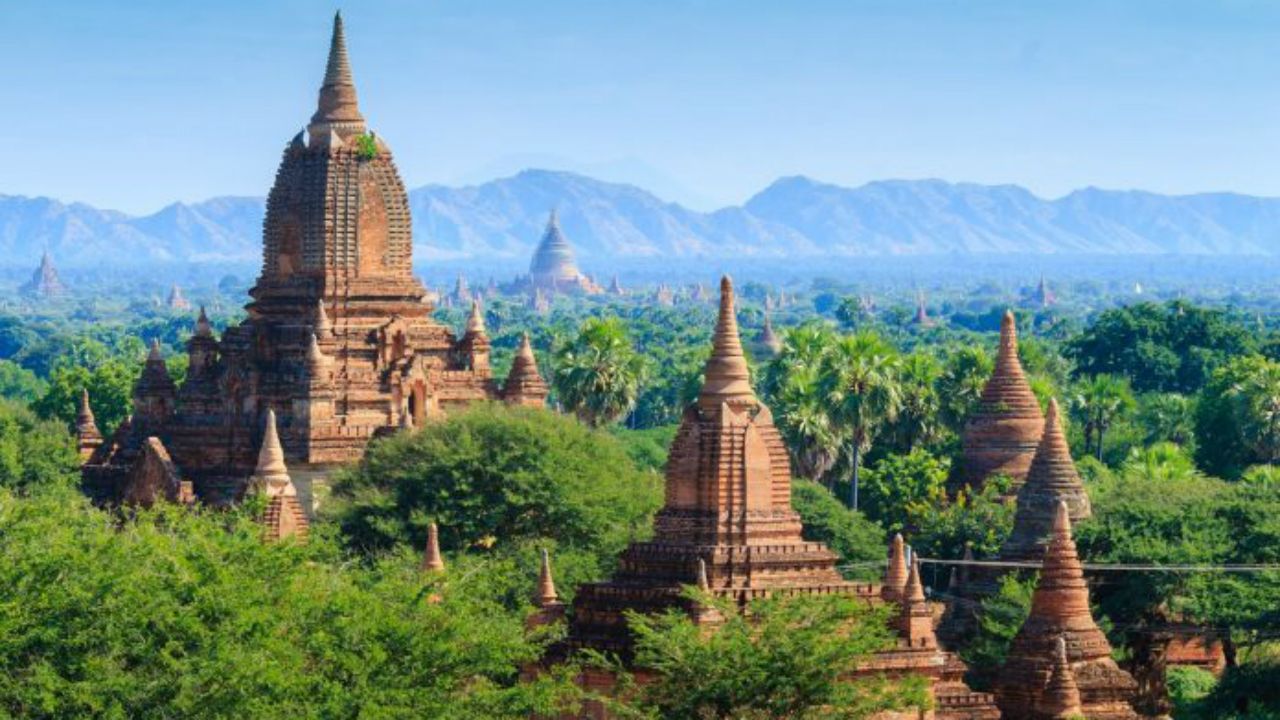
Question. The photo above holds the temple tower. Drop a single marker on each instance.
(768, 340)
(44, 282)
(1002, 435)
(727, 526)
(88, 437)
(339, 340)
(524, 385)
(1060, 614)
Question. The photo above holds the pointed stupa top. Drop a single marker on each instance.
(316, 359)
(155, 373)
(524, 384)
(1061, 598)
(1052, 480)
(271, 471)
(475, 321)
(1061, 698)
(154, 354)
(86, 424)
(913, 593)
(768, 339)
(203, 328)
(338, 110)
(553, 261)
(895, 576)
(432, 560)
(615, 287)
(546, 584)
(726, 377)
(322, 325)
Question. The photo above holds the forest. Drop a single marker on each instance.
(1172, 409)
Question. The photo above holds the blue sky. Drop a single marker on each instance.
(131, 105)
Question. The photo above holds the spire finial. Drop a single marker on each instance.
(726, 376)
(155, 355)
(322, 319)
(914, 592)
(203, 329)
(546, 584)
(432, 560)
(703, 584)
(475, 322)
(271, 471)
(338, 109)
(895, 577)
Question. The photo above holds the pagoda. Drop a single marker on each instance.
(1044, 296)
(1001, 437)
(1031, 683)
(339, 341)
(553, 268)
(727, 525)
(177, 301)
(44, 282)
(768, 340)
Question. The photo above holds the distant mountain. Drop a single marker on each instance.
(793, 217)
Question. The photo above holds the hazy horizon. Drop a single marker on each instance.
(704, 102)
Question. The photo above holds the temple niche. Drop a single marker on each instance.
(727, 525)
(1001, 437)
(339, 345)
(553, 269)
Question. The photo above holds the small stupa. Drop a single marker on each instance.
(768, 340)
(553, 268)
(284, 516)
(178, 301)
(524, 384)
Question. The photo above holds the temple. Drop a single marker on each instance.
(1001, 437)
(553, 269)
(768, 341)
(176, 300)
(44, 282)
(339, 340)
(727, 525)
(1033, 684)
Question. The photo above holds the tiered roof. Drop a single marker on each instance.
(284, 516)
(1001, 437)
(1060, 613)
(1051, 480)
(524, 385)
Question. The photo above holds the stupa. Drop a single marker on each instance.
(727, 525)
(768, 340)
(178, 301)
(44, 282)
(1060, 614)
(1002, 435)
(553, 268)
(339, 340)
(525, 385)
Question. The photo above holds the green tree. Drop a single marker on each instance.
(864, 392)
(1256, 399)
(980, 520)
(899, 483)
(858, 541)
(172, 612)
(494, 475)
(598, 374)
(1225, 443)
(19, 383)
(793, 388)
(918, 422)
(999, 620)
(1098, 403)
(34, 452)
(1167, 417)
(964, 374)
(785, 658)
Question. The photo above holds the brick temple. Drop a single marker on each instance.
(339, 340)
(1002, 435)
(727, 525)
(1031, 685)
(44, 282)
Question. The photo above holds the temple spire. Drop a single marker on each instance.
(88, 437)
(524, 385)
(726, 376)
(203, 328)
(432, 560)
(475, 322)
(895, 577)
(338, 110)
(271, 471)
(1061, 699)
(546, 584)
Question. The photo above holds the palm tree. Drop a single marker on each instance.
(1097, 404)
(598, 374)
(793, 387)
(918, 417)
(1257, 399)
(864, 393)
(1167, 417)
(964, 374)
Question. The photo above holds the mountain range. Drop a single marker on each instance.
(795, 217)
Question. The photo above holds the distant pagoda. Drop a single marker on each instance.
(178, 301)
(1031, 685)
(768, 340)
(44, 282)
(1044, 296)
(1001, 437)
(553, 268)
(339, 345)
(727, 526)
